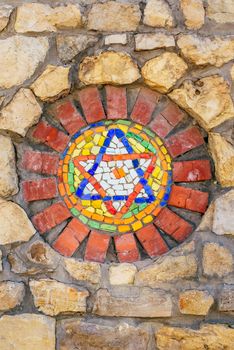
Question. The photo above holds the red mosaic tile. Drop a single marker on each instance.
(173, 113)
(144, 106)
(184, 141)
(97, 246)
(152, 241)
(192, 170)
(188, 198)
(34, 190)
(91, 104)
(51, 217)
(173, 225)
(71, 237)
(161, 126)
(40, 162)
(68, 115)
(126, 248)
(116, 100)
(51, 136)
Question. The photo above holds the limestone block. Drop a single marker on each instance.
(52, 83)
(203, 50)
(27, 332)
(21, 113)
(223, 214)
(221, 11)
(151, 41)
(83, 270)
(114, 17)
(11, 294)
(69, 46)
(19, 58)
(53, 297)
(14, 223)
(167, 269)
(223, 155)
(36, 17)
(116, 39)
(5, 12)
(8, 175)
(226, 299)
(78, 334)
(232, 72)
(217, 260)
(158, 14)
(139, 303)
(209, 336)
(208, 100)
(194, 13)
(122, 274)
(162, 72)
(195, 302)
(108, 68)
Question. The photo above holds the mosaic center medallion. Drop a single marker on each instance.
(116, 176)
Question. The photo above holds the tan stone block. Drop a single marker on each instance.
(162, 72)
(19, 58)
(108, 68)
(203, 50)
(52, 83)
(167, 269)
(122, 274)
(78, 334)
(226, 299)
(209, 336)
(223, 214)
(5, 12)
(143, 302)
(27, 332)
(8, 175)
(217, 260)
(53, 297)
(208, 100)
(11, 294)
(37, 17)
(158, 14)
(223, 155)
(152, 41)
(14, 223)
(21, 113)
(195, 302)
(114, 17)
(194, 13)
(232, 72)
(83, 270)
(116, 39)
(221, 11)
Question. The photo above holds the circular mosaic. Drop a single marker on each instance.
(116, 176)
(103, 178)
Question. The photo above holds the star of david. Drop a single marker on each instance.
(126, 174)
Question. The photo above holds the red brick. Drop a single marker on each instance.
(188, 198)
(51, 136)
(144, 106)
(173, 113)
(173, 225)
(40, 162)
(152, 241)
(91, 104)
(34, 190)
(192, 170)
(126, 248)
(66, 112)
(97, 246)
(161, 126)
(184, 141)
(71, 237)
(51, 217)
(116, 102)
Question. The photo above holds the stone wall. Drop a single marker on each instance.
(179, 52)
